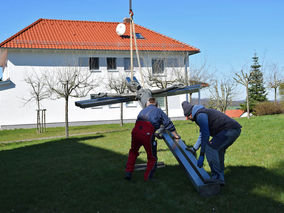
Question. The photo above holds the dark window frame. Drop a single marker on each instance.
(158, 66)
(94, 63)
(111, 63)
(139, 36)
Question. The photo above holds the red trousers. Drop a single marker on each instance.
(143, 135)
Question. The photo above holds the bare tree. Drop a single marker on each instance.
(274, 80)
(37, 93)
(243, 79)
(222, 94)
(161, 81)
(118, 84)
(66, 82)
(197, 74)
(161, 73)
(200, 73)
(38, 90)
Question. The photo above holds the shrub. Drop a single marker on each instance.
(268, 108)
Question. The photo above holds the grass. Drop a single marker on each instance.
(21, 134)
(85, 173)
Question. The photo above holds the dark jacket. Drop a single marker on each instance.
(217, 120)
(210, 122)
(157, 117)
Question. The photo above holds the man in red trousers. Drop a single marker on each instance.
(148, 121)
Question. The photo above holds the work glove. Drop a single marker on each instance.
(200, 161)
(158, 135)
(192, 150)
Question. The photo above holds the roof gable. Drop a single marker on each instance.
(91, 35)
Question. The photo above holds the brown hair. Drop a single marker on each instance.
(152, 100)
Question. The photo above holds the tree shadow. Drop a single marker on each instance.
(255, 189)
(77, 175)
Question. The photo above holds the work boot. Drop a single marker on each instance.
(128, 175)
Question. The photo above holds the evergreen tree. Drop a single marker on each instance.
(257, 92)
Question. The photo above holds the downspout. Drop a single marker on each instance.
(186, 62)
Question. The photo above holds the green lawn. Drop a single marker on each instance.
(85, 173)
(20, 134)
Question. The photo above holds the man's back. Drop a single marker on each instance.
(156, 116)
(218, 121)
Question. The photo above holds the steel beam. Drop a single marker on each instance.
(197, 176)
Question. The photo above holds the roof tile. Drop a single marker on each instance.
(67, 34)
(234, 113)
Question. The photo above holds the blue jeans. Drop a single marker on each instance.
(215, 151)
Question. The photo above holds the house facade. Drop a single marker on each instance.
(48, 45)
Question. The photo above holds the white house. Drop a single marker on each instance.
(48, 44)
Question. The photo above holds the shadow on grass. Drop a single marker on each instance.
(70, 176)
(158, 150)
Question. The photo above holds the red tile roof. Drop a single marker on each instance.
(234, 113)
(89, 35)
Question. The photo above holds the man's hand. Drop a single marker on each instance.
(192, 150)
(200, 161)
(177, 137)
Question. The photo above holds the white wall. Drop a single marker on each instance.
(21, 63)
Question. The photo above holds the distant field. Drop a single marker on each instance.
(85, 173)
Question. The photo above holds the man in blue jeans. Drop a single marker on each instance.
(223, 130)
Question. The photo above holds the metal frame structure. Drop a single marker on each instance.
(139, 94)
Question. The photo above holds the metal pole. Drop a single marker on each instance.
(186, 73)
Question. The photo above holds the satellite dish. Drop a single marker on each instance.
(120, 29)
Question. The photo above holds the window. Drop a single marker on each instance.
(94, 63)
(161, 101)
(111, 63)
(157, 66)
(139, 36)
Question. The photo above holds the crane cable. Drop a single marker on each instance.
(132, 30)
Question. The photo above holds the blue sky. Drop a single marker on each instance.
(228, 32)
